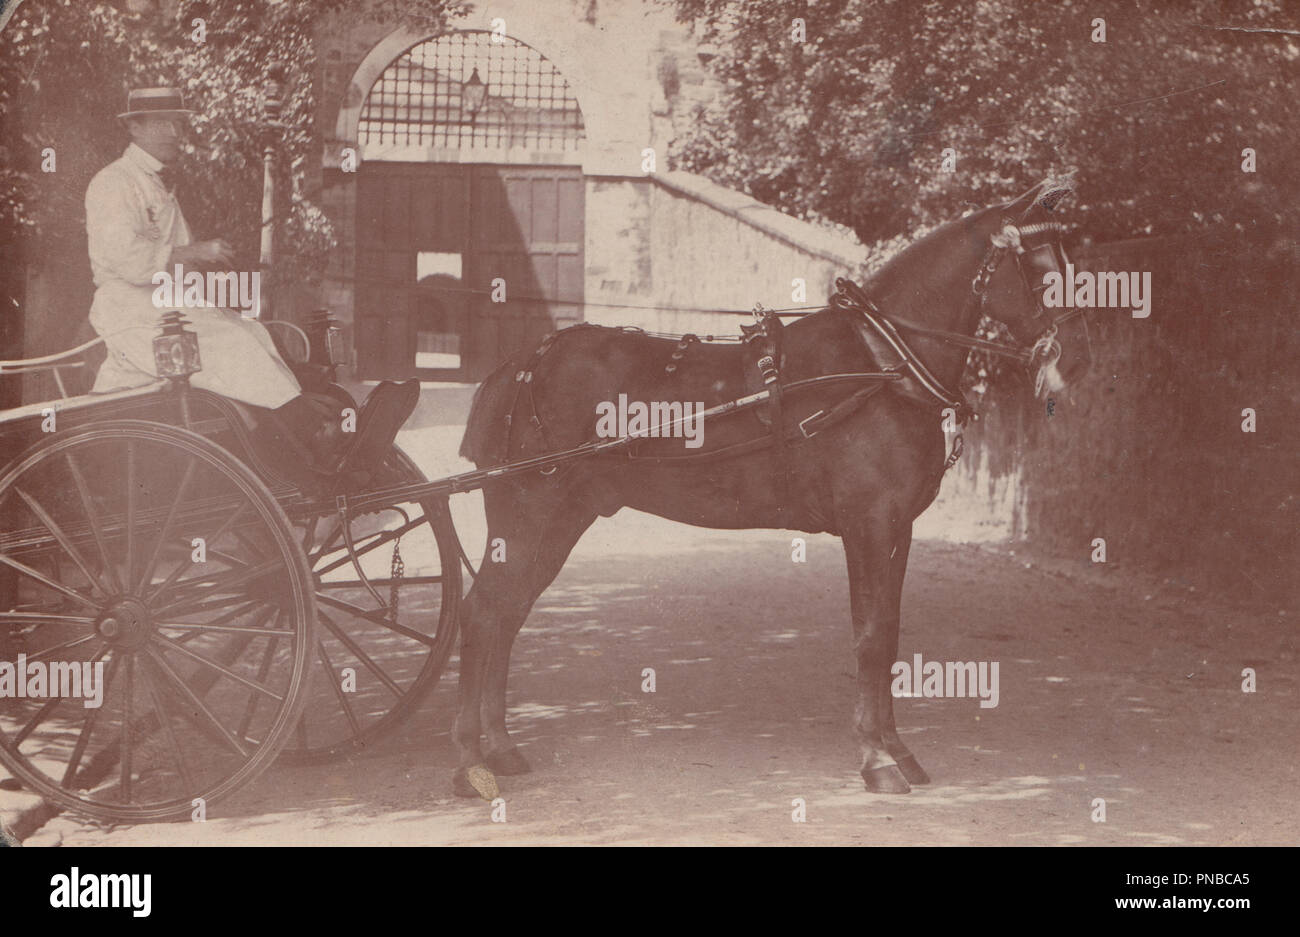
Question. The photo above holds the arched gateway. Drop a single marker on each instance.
(471, 182)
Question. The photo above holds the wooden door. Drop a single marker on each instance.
(434, 240)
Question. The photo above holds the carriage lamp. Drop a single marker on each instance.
(176, 349)
(473, 95)
(326, 338)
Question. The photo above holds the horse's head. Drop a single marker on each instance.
(1025, 243)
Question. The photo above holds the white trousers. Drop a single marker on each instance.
(238, 357)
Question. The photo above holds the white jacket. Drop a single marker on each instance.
(133, 223)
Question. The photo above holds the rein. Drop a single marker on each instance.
(849, 296)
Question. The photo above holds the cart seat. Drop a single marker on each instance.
(53, 363)
(76, 401)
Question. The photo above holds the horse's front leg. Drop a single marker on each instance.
(906, 761)
(867, 549)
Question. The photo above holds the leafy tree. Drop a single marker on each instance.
(66, 67)
(849, 126)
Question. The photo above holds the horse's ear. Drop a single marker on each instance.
(1054, 189)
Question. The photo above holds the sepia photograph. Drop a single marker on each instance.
(650, 423)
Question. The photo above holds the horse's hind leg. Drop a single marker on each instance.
(867, 549)
(561, 532)
(907, 762)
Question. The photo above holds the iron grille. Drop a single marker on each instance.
(417, 101)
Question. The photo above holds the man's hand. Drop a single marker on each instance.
(204, 252)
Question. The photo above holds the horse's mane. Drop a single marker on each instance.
(909, 273)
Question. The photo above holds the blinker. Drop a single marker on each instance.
(1034, 262)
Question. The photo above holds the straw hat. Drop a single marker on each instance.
(154, 102)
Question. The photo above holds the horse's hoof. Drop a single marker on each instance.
(475, 781)
(912, 770)
(508, 762)
(886, 779)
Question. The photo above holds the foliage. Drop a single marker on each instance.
(66, 67)
(849, 125)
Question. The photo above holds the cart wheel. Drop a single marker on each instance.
(165, 605)
(374, 663)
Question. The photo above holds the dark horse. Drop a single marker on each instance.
(864, 478)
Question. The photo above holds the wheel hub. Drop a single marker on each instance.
(126, 623)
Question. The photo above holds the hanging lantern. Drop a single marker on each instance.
(176, 349)
(326, 338)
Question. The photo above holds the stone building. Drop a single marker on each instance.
(524, 153)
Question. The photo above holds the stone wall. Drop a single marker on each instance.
(678, 241)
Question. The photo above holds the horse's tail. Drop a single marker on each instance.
(487, 432)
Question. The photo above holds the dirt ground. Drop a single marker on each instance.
(1112, 686)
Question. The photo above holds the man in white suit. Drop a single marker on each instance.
(136, 230)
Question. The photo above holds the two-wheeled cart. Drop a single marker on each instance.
(175, 613)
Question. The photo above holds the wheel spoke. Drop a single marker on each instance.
(226, 629)
(173, 746)
(63, 539)
(376, 616)
(262, 670)
(361, 655)
(358, 584)
(231, 615)
(201, 605)
(36, 720)
(126, 729)
(42, 618)
(186, 589)
(197, 703)
(221, 584)
(47, 582)
(130, 510)
(338, 690)
(88, 725)
(166, 531)
(192, 655)
(378, 539)
(183, 565)
(88, 508)
(62, 647)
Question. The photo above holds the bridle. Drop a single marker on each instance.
(1041, 354)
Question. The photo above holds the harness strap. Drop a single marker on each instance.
(956, 338)
(883, 340)
(683, 345)
(524, 380)
(820, 421)
(765, 334)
